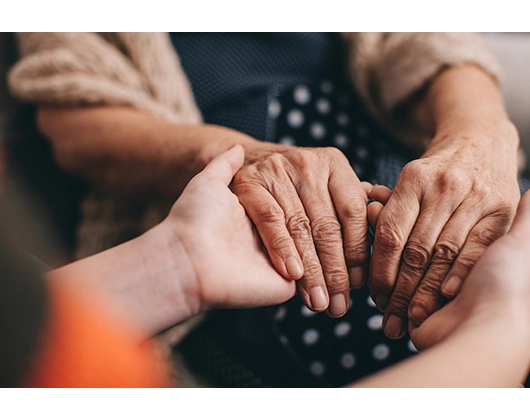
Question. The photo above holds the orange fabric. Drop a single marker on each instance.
(81, 347)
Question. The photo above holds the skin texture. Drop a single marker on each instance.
(487, 321)
(308, 205)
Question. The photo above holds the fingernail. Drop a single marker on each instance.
(338, 305)
(451, 285)
(418, 314)
(356, 277)
(294, 268)
(393, 327)
(381, 302)
(318, 298)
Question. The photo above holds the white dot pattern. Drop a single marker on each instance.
(412, 347)
(323, 106)
(306, 312)
(348, 360)
(381, 352)
(341, 141)
(281, 312)
(375, 322)
(317, 368)
(274, 108)
(310, 337)
(302, 95)
(342, 329)
(317, 130)
(287, 140)
(295, 118)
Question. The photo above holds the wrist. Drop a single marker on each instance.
(476, 137)
(170, 275)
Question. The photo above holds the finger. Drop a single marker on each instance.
(269, 219)
(374, 210)
(415, 259)
(394, 226)
(367, 187)
(480, 237)
(428, 298)
(326, 231)
(350, 206)
(380, 193)
(225, 165)
(309, 213)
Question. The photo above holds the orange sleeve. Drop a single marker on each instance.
(82, 347)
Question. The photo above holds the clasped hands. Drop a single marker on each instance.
(310, 211)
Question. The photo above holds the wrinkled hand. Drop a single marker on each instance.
(309, 208)
(445, 210)
(499, 283)
(232, 269)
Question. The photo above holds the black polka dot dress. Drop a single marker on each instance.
(290, 89)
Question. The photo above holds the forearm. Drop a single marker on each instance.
(489, 352)
(464, 100)
(148, 282)
(132, 153)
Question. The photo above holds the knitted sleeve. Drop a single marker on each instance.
(122, 69)
(389, 68)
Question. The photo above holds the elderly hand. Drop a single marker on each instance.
(445, 210)
(498, 285)
(309, 208)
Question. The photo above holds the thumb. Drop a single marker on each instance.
(225, 165)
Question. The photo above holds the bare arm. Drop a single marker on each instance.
(129, 152)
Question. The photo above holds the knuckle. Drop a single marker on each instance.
(335, 154)
(484, 237)
(428, 292)
(326, 229)
(279, 243)
(312, 273)
(356, 254)
(468, 259)
(302, 158)
(336, 280)
(415, 256)
(354, 211)
(298, 225)
(445, 253)
(399, 301)
(413, 169)
(268, 213)
(387, 237)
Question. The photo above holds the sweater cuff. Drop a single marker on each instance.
(409, 61)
